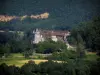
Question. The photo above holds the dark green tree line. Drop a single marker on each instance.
(90, 34)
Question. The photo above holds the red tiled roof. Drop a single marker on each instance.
(55, 33)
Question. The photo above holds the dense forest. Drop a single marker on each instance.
(62, 13)
(79, 56)
(88, 33)
(76, 67)
(85, 37)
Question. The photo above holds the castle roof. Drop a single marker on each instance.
(49, 33)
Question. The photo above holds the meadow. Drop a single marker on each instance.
(19, 60)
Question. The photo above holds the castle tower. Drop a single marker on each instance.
(37, 36)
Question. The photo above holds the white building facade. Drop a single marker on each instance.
(41, 35)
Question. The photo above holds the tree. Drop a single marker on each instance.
(77, 42)
(80, 48)
(5, 50)
(29, 69)
(50, 46)
(90, 34)
(1, 50)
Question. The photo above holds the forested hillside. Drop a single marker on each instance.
(87, 34)
(62, 13)
(77, 54)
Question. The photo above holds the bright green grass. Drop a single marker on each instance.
(11, 62)
(13, 59)
(19, 60)
(91, 56)
(16, 55)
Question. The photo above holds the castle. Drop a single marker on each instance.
(42, 35)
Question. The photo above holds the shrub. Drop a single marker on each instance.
(31, 62)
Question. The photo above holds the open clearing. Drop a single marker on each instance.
(19, 60)
(22, 62)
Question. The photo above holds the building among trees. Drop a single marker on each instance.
(54, 35)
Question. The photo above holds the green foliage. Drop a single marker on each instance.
(77, 67)
(77, 41)
(9, 70)
(27, 53)
(65, 55)
(1, 50)
(50, 46)
(5, 37)
(29, 69)
(5, 50)
(95, 67)
(72, 67)
(86, 35)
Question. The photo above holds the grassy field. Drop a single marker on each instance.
(91, 56)
(19, 60)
